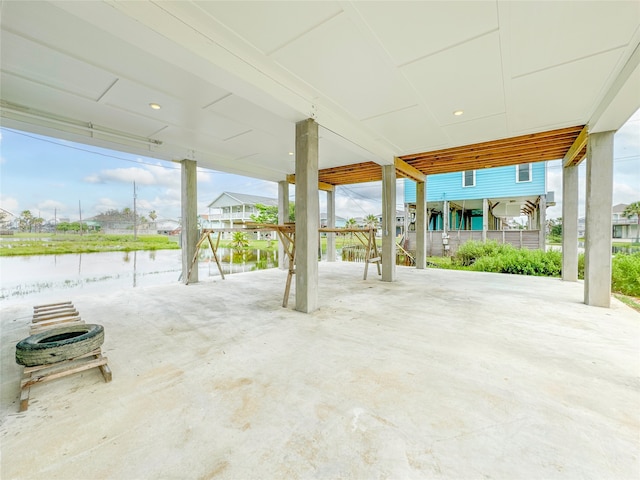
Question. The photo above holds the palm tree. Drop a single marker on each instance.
(351, 223)
(239, 240)
(631, 210)
(371, 221)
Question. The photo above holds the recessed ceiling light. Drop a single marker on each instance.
(155, 106)
(457, 113)
(290, 153)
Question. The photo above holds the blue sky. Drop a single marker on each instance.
(50, 176)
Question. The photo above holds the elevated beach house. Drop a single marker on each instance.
(231, 209)
(480, 205)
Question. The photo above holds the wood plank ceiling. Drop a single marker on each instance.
(536, 147)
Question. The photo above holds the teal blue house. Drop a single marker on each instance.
(481, 204)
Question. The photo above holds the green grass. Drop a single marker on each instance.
(58, 244)
(504, 258)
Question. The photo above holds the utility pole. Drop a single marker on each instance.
(80, 210)
(135, 215)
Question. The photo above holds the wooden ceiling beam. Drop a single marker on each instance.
(536, 147)
(577, 151)
(572, 157)
(327, 187)
(511, 141)
(408, 171)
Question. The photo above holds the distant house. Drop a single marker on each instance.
(8, 221)
(167, 226)
(232, 210)
(340, 221)
(455, 206)
(623, 227)
(400, 223)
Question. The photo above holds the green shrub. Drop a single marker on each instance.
(469, 252)
(581, 266)
(625, 274)
(505, 258)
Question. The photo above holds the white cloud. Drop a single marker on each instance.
(147, 175)
(93, 178)
(10, 204)
(51, 206)
(104, 204)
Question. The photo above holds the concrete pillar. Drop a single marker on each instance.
(307, 216)
(189, 207)
(331, 223)
(597, 245)
(388, 223)
(485, 218)
(570, 224)
(542, 222)
(421, 225)
(445, 216)
(283, 217)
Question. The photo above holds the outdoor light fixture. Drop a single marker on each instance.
(155, 106)
(44, 119)
(457, 113)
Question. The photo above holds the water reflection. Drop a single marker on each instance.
(38, 278)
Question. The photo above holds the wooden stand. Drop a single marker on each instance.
(286, 234)
(44, 318)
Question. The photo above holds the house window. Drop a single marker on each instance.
(469, 178)
(523, 172)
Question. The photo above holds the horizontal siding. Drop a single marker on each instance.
(490, 183)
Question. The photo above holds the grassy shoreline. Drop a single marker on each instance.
(59, 244)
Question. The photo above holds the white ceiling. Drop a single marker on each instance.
(381, 78)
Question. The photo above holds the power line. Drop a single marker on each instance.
(89, 151)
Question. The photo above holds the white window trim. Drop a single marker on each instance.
(474, 179)
(530, 174)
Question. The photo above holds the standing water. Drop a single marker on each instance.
(45, 278)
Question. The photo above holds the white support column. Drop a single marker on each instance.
(331, 223)
(283, 217)
(189, 200)
(445, 216)
(307, 216)
(542, 222)
(421, 224)
(570, 224)
(597, 255)
(485, 218)
(388, 223)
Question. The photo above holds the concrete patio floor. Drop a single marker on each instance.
(442, 374)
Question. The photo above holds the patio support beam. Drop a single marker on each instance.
(542, 222)
(485, 218)
(570, 223)
(445, 216)
(409, 171)
(597, 255)
(283, 217)
(331, 223)
(421, 224)
(307, 216)
(388, 223)
(189, 207)
(573, 157)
